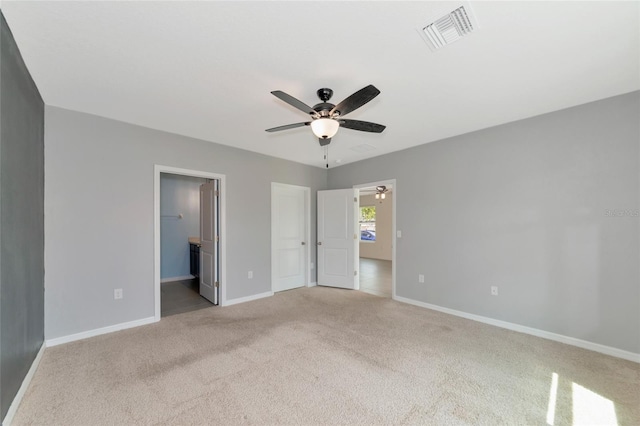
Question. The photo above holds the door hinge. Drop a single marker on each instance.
(216, 284)
(355, 236)
(355, 273)
(217, 238)
(216, 193)
(355, 200)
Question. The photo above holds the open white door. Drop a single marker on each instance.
(337, 238)
(288, 236)
(209, 241)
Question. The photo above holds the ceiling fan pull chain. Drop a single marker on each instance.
(326, 155)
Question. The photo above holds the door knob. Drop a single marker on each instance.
(303, 243)
(319, 243)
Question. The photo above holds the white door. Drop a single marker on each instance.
(288, 236)
(209, 241)
(338, 238)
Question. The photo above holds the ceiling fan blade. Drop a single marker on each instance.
(294, 102)
(324, 142)
(364, 126)
(356, 100)
(287, 126)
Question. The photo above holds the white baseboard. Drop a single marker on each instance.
(313, 284)
(172, 279)
(596, 347)
(98, 331)
(248, 298)
(23, 388)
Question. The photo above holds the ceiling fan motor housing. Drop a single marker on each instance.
(323, 108)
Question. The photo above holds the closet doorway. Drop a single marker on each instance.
(189, 243)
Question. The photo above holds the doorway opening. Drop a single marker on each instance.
(189, 250)
(180, 221)
(377, 235)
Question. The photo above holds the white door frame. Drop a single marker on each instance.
(307, 232)
(394, 239)
(157, 169)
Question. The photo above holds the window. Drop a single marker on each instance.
(368, 223)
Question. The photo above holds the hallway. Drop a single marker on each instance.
(375, 277)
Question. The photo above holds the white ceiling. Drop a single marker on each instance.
(206, 69)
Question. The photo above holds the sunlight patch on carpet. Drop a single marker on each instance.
(589, 408)
(553, 395)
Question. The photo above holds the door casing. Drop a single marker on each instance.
(157, 170)
(394, 185)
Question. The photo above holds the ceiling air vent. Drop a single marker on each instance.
(449, 28)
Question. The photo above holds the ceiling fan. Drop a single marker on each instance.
(326, 118)
(379, 191)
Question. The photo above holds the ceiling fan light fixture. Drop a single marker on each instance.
(324, 128)
(381, 192)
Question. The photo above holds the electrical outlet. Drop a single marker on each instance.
(420, 278)
(117, 293)
(494, 290)
(312, 265)
(250, 275)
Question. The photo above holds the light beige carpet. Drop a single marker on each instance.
(326, 356)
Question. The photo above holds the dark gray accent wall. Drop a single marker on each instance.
(546, 209)
(21, 219)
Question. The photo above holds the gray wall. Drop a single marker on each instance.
(99, 215)
(523, 206)
(178, 195)
(21, 219)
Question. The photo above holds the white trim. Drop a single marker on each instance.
(307, 225)
(596, 347)
(157, 169)
(13, 408)
(249, 298)
(172, 279)
(313, 284)
(98, 331)
(394, 238)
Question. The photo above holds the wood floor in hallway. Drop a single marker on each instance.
(375, 277)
